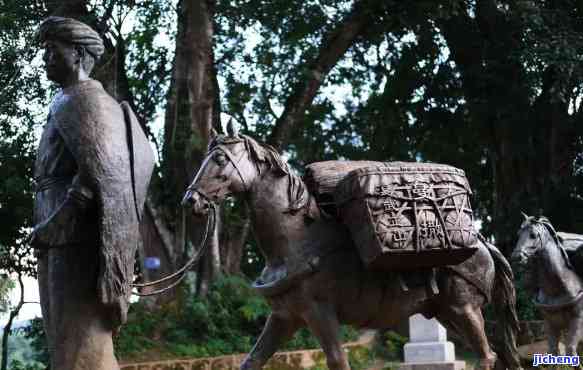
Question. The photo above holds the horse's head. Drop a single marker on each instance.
(530, 240)
(228, 168)
(533, 236)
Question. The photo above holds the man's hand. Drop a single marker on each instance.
(32, 239)
(66, 221)
(43, 236)
(55, 231)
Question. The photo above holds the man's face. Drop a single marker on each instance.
(61, 60)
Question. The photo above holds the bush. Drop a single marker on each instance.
(228, 320)
(18, 365)
(525, 307)
(390, 346)
(27, 347)
(361, 358)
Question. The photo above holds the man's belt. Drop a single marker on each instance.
(51, 182)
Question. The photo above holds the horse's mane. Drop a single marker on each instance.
(266, 156)
(546, 223)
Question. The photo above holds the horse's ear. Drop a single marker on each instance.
(524, 215)
(232, 129)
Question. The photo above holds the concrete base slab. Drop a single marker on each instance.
(455, 365)
(429, 352)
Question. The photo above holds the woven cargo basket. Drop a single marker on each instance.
(321, 178)
(408, 215)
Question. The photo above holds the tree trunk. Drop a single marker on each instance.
(233, 240)
(202, 98)
(190, 115)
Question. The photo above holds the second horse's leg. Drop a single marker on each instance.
(574, 335)
(277, 330)
(553, 336)
(323, 323)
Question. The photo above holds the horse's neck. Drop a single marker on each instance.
(277, 231)
(554, 276)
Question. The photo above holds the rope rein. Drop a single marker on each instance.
(181, 273)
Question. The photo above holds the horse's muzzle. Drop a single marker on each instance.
(199, 204)
(518, 259)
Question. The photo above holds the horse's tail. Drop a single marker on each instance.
(504, 300)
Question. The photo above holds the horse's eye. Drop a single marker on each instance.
(533, 235)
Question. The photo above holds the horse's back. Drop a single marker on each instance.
(380, 298)
(573, 244)
(570, 241)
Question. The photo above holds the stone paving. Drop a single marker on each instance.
(293, 360)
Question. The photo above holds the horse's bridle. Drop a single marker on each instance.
(234, 161)
(179, 275)
(539, 238)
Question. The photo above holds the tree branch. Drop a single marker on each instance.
(101, 26)
(69, 8)
(8, 328)
(332, 49)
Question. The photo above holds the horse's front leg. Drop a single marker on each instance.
(323, 322)
(553, 335)
(277, 330)
(574, 335)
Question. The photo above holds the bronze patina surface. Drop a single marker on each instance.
(552, 266)
(315, 277)
(92, 171)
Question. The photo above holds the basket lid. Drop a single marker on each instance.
(364, 182)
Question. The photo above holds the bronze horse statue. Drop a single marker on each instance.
(551, 277)
(314, 277)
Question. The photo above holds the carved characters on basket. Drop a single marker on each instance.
(422, 215)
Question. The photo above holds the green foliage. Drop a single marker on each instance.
(6, 285)
(35, 334)
(228, 321)
(18, 365)
(21, 94)
(222, 324)
(390, 346)
(361, 358)
(22, 353)
(493, 90)
(525, 307)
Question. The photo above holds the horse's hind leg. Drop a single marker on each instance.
(574, 335)
(468, 321)
(277, 330)
(323, 323)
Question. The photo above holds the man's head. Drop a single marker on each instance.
(71, 48)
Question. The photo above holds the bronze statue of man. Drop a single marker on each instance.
(92, 172)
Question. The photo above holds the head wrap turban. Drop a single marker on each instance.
(72, 31)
